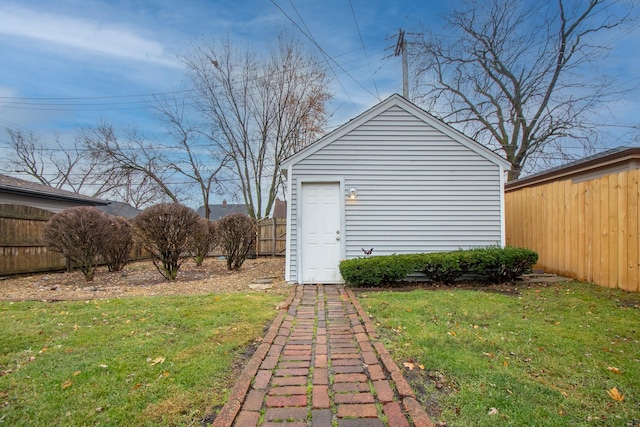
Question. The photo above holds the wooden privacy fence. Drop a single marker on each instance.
(586, 230)
(272, 236)
(22, 247)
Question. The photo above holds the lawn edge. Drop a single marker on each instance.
(230, 410)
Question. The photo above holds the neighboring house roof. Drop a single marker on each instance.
(398, 101)
(9, 184)
(120, 209)
(280, 209)
(616, 160)
(220, 211)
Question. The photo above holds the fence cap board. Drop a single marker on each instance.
(610, 161)
(24, 212)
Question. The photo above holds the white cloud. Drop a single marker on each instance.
(90, 36)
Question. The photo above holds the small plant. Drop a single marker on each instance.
(205, 240)
(118, 243)
(168, 232)
(80, 234)
(236, 237)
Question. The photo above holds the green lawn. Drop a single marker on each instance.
(545, 356)
(136, 361)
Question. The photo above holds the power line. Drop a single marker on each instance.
(324, 53)
(353, 13)
(67, 104)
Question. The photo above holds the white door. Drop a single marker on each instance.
(320, 234)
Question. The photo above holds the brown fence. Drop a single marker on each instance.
(586, 230)
(272, 236)
(22, 247)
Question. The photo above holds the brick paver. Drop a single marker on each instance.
(321, 364)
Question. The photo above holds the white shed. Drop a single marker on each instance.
(395, 179)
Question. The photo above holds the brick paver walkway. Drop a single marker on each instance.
(320, 364)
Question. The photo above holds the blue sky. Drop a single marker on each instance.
(70, 63)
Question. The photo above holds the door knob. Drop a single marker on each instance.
(338, 238)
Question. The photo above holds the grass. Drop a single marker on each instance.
(135, 361)
(548, 356)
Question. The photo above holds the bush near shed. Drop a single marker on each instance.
(237, 238)
(168, 232)
(80, 235)
(488, 265)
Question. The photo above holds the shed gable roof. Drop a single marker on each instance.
(396, 100)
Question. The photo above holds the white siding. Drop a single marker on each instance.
(419, 190)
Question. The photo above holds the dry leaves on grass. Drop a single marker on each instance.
(615, 394)
(142, 279)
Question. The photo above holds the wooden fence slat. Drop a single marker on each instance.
(589, 196)
(622, 213)
(271, 239)
(580, 230)
(588, 230)
(22, 246)
(632, 232)
(613, 231)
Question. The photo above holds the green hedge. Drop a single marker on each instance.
(375, 271)
(500, 265)
(488, 265)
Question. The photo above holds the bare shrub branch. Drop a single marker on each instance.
(205, 239)
(236, 237)
(118, 244)
(168, 231)
(80, 234)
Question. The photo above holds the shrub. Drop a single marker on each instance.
(444, 267)
(80, 234)
(118, 243)
(205, 240)
(236, 237)
(167, 231)
(500, 265)
(377, 270)
(493, 265)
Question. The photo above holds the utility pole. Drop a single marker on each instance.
(401, 49)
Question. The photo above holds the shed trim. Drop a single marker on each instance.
(411, 108)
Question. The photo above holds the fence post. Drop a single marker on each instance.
(273, 237)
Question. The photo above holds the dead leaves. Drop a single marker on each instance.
(615, 394)
(157, 360)
(410, 365)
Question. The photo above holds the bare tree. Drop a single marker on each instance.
(200, 163)
(71, 167)
(510, 73)
(131, 156)
(261, 110)
(53, 164)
